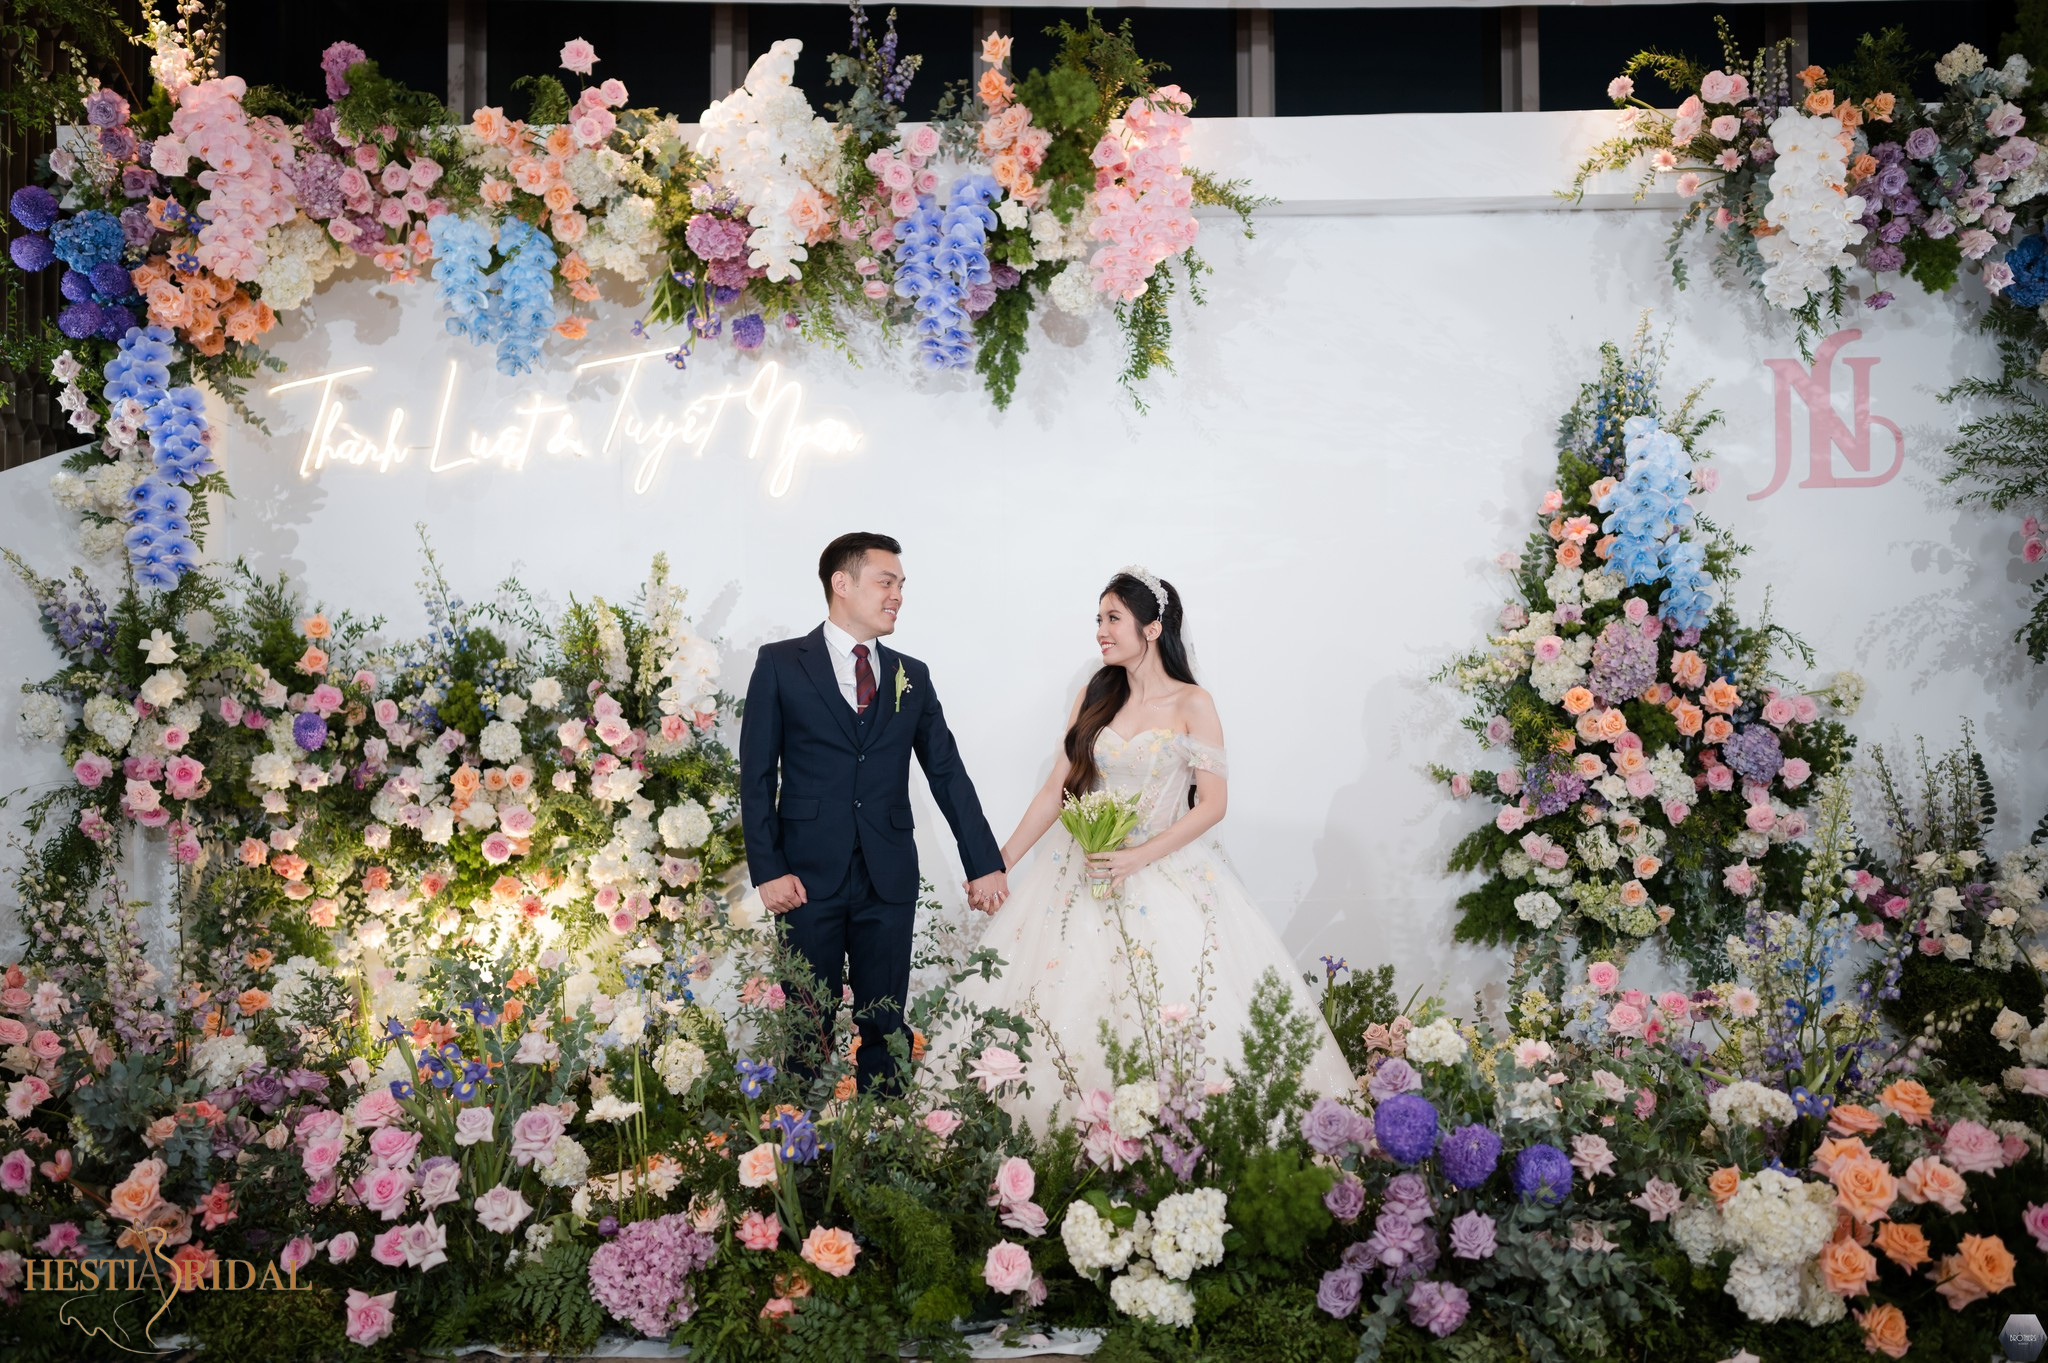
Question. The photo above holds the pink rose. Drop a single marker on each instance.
(533, 1135)
(941, 1122)
(1778, 712)
(1725, 127)
(473, 1125)
(384, 1191)
(17, 1171)
(298, 1252)
(342, 1247)
(1676, 811)
(1015, 1182)
(1674, 1005)
(426, 1245)
(2035, 1219)
(386, 711)
(369, 1318)
(440, 1182)
(1028, 1217)
(758, 1232)
(501, 1210)
(1793, 771)
(1509, 781)
(388, 1249)
(377, 1108)
(1625, 1019)
(1603, 976)
(1008, 1268)
(1717, 88)
(1973, 1148)
(1760, 818)
(392, 1146)
(1740, 879)
(578, 56)
(1510, 819)
(995, 1067)
(91, 769)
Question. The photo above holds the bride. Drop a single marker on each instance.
(1178, 912)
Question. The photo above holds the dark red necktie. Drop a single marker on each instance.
(863, 679)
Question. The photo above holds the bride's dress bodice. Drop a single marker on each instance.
(1158, 766)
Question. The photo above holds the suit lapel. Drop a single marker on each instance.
(885, 692)
(818, 663)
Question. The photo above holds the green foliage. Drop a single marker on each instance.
(1148, 334)
(54, 47)
(1934, 264)
(261, 1327)
(1277, 1205)
(1882, 63)
(2030, 40)
(550, 1296)
(1351, 1005)
(1265, 1094)
(1002, 335)
(376, 100)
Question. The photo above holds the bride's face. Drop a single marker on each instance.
(1119, 635)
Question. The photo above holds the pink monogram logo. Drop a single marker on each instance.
(1826, 431)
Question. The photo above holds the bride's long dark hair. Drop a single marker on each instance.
(1109, 688)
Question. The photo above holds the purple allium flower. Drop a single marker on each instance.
(1922, 143)
(1340, 1291)
(33, 207)
(1407, 1195)
(1544, 1173)
(1406, 1127)
(1394, 1075)
(1469, 1155)
(115, 320)
(749, 331)
(1753, 752)
(75, 285)
(642, 1276)
(1329, 1126)
(1346, 1198)
(309, 731)
(1473, 1236)
(1624, 662)
(607, 1226)
(79, 321)
(1439, 1308)
(31, 253)
(335, 62)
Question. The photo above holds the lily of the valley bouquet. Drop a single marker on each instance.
(1099, 821)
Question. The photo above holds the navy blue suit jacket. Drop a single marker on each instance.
(814, 784)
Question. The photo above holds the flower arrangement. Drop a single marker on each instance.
(1100, 820)
(1658, 770)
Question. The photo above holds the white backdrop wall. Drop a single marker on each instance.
(1361, 420)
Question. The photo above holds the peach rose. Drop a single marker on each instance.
(1613, 724)
(1929, 1180)
(1688, 669)
(1910, 1100)
(1847, 1268)
(1864, 1187)
(137, 1195)
(1688, 717)
(1833, 1151)
(757, 1166)
(1578, 701)
(1851, 1119)
(1884, 1330)
(831, 1250)
(1723, 1184)
(1569, 555)
(313, 660)
(1986, 1259)
(1903, 1243)
(1721, 696)
(253, 1000)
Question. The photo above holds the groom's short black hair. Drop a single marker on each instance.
(848, 552)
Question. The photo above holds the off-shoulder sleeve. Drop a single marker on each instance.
(1204, 757)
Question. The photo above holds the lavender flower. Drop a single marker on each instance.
(1406, 1127)
(1754, 753)
(1340, 1291)
(1543, 1173)
(1469, 1156)
(1346, 1199)
(1473, 1236)
(1394, 1075)
(1439, 1308)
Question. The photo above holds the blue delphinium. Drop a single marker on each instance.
(940, 255)
(1543, 1173)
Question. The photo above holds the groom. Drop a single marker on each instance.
(834, 855)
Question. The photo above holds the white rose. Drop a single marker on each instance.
(164, 688)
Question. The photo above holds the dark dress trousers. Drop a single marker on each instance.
(825, 796)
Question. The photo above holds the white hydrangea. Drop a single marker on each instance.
(1748, 1103)
(1094, 1243)
(1132, 1110)
(1563, 585)
(1764, 1292)
(1438, 1043)
(1818, 1304)
(299, 257)
(1537, 907)
(1602, 584)
(1779, 1220)
(1073, 290)
(567, 1164)
(1696, 1227)
(1961, 63)
(1596, 848)
(680, 1064)
(622, 240)
(1531, 1101)
(102, 538)
(220, 1061)
(42, 716)
(110, 719)
(499, 742)
(290, 983)
(684, 825)
(1817, 220)
(1148, 1296)
(1187, 1232)
(1552, 679)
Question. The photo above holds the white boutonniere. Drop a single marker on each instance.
(902, 685)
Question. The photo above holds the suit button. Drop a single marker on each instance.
(862, 758)
(856, 804)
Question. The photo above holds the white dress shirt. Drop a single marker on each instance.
(840, 644)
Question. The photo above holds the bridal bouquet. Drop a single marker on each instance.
(1100, 821)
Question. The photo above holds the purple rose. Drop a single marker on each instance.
(1439, 1308)
(1346, 1199)
(1407, 1195)
(105, 109)
(309, 731)
(1393, 1076)
(137, 181)
(136, 228)
(1360, 1255)
(1921, 143)
(1329, 1126)
(1406, 1127)
(1005, 276)
(1340, 1290)
(1405, 1248)
(1472, 1236)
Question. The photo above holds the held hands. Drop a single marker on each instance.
(783, 894)
(988, 892)
(1117, 866)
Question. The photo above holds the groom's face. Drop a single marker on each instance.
(873, 594)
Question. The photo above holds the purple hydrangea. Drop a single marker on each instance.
(1624, 663)
(335, 62)
(309, 731)
(1552, 786)
(1439, 1308)
(1543, 1173)
(1469, 1155)
(716, 238)
(643, 1275)
(749, 331)
(1340, 1291)
(1473, 1236)
(1394, 1075)
(1329, 1127)
(319, 129)
(33, 207)
(1406, 1127)
(1754, 753)
(1346, 1199)
(317, 179)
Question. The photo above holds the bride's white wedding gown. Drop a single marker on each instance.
(1067, 955)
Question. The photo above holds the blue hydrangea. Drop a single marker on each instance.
(88, 239)
(941, 254)
(1753, 752)
(1543, 1173)
(1406, 1127)
(2029, 264)
(1469, 1155)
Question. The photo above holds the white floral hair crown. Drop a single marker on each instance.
(1152, 583)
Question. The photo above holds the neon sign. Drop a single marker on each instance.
(771, 405)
